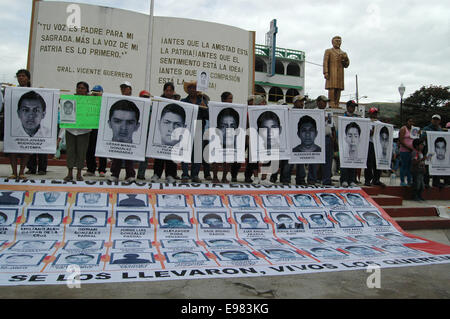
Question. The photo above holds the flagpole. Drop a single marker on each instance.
(149, 48)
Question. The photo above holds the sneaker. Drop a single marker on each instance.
(130, 179)
(208, 178)
(344, 184)
(170, 180)
(30, 172)
(256, 180)
(41, 172)
(266, 182)
(403, 184)
(88, 174)
(353, 184)
(196, 179)
(113, 179)
(140, 178)
(154, 179)
(248, 180)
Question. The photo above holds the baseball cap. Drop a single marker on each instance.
(373, 110)
(97, 88)
(126, 83)
(144, 93)
(436, 116)
(251, 97)
(351, 103)
(322, 98)
(298, 98)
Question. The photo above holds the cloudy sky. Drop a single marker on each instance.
(388, 42)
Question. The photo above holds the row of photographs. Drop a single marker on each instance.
(8, 198)
(234, 254)
(35, 245)
(211, 219)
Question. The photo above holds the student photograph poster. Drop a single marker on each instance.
(172, 127)
(123, 126)
(307, 136)
(226, 134)
(80, 111)
(31, 120)
(383, 139)
(353, 135)
(268, 133)
(438, 144)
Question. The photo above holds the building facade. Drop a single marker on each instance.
(289, 78)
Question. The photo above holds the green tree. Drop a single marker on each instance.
(430, 97)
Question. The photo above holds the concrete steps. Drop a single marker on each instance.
(411, 217)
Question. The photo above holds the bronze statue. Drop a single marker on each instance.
(334, 62)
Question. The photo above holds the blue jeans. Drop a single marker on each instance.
(300, 173)
(405, 167)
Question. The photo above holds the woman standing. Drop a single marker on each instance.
(77, 141)
(406, 147)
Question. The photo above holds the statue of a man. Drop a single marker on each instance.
(334, 62)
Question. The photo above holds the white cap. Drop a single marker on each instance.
(126, 83)
(436, 116)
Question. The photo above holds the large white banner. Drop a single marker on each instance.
(122, 129)
(31, 119)
(163, 232)
(183, 48)
(438, 146)
(227, 132)
(307, 136)
(107, 48)
(269, 138)
(354, 136)
(172, 129)
(383, 142)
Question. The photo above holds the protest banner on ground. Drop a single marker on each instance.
(151, 232)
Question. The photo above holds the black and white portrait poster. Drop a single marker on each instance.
(227, 129)
(268, 133)
(202, 81)
(122, 129)
(353, 141)
(383, 139)
(307, 136)
(31, 120)
(172, 128)
(438, 144)
(68, 110)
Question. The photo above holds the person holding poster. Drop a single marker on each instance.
(434, 126)
(438, 156)
(353, 147)
(160, 164)
(348, 175)
(24, 78)
(203, 115)
(77, 141)
(124, 122)
(371, 173)
(123, 132)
